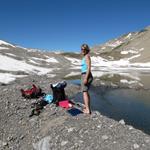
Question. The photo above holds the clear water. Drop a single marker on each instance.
(128, 104)
(133, 106)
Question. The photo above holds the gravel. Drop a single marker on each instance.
(56, 129)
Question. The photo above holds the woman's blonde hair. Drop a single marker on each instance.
(85, 47)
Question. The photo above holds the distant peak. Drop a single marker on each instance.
(5, 43)
(148, 28)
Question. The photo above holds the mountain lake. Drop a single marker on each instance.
(130, 104)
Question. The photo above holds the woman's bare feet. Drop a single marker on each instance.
(86, 111)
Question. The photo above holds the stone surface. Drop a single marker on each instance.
(56, 129)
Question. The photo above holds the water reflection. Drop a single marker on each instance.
(132, 105)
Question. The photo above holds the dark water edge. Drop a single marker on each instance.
(131, 105)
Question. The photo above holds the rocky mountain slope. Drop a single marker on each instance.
(17, 61)
(125, 56)
(134, 44)
(118, 61)
(57, 129)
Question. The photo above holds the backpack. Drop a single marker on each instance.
(58, 91)
(31, 92)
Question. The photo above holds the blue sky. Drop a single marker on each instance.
(66, 24)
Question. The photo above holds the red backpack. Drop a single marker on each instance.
(32, 92)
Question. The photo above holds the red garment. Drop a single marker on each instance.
(65, 104)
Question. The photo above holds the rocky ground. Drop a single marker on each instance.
(57, 129)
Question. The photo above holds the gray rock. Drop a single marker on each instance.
(70, 129)
(22, 136)
(136, 146)
(43, 144)
(54, 128)
(104, 137)
(63, 143)
(122, 122)
(3, 144)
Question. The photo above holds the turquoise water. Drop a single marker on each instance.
(133, 106)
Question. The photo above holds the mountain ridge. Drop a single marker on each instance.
(129, 52)
(127, 45)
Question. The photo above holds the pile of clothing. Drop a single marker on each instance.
(43, 98)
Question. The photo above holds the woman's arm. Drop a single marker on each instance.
(88, 62)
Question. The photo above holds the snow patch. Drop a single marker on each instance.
(10, 64)
(128, 36)
(2, 48)
(33, 62)
(141, 49)
(74, 61)
(135, 56)
(7, 77)
(73, 74)
(114, 44)
(99, 63)
(103, 48)
(5, 43)
(49, 60)
(128, 82)
(98, 73)
(21, 47)
(33, 50)
(129, 51)
(51, 75)
(58, 52)
(10, 54)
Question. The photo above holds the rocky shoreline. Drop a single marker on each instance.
(57, 129)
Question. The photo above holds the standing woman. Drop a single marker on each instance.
(86, 77)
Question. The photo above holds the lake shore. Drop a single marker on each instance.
(57, 129)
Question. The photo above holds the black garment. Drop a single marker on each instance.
(58, 91)
(37, 107)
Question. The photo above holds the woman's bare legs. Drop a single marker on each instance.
(86, 98)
